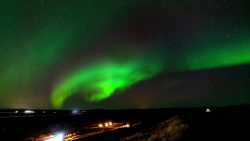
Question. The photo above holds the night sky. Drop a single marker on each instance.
(124, 53)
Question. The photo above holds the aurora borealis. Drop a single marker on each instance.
(102, 80)
(124, 53)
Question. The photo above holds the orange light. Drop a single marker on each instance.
(110, 123)
(100, 125)
(106, 124)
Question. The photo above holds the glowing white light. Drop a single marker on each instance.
(208, 110)
(106, 124)
(127, 125)
(56, 137)
(75, 112)
(29, 112)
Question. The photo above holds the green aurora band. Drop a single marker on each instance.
(102, 80)
(221, 54)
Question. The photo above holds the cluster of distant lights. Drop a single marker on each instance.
(61, 136)
(77, 112)
(106, 124)
(74, 112)
(110, 125)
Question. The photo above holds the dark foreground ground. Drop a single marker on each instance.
(190, 124)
